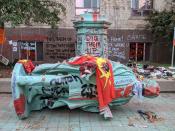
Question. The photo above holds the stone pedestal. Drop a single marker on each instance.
(92, 35)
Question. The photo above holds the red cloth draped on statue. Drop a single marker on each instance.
(104, 78)
(28, 65)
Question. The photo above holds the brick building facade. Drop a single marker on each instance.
(127, 36)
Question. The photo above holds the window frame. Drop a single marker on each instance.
(94, 9)
(141, 12)
(36, 58)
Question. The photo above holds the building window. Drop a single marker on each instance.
(83, 6)
(141, 7)
(31, 50)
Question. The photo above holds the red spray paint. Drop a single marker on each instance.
(19, 105)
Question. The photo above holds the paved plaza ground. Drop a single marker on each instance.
(63, 119)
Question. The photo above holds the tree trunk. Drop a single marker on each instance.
(1, 25)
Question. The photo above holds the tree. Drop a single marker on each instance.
(162, 23)
(30, 11)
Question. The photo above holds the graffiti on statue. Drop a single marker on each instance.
(55, 91)
(89, 91)
(59, 87)
(65, 80)
(122, 80)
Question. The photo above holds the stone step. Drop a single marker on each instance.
(167, 86)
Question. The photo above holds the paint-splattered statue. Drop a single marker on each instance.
(89, 83)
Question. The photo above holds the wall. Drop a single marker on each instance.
(161, 53)
(161, 5)
(119, 42)
(59, 44)
(118, 12)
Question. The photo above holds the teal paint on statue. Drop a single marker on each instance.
(57, 85)
(92, 35)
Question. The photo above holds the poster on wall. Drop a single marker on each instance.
(15, 49)
(118, 51)
(27, 50)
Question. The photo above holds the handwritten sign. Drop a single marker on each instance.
(4, 60)
(27, 45)
(118, 51)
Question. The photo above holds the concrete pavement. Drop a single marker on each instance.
(63, 119)
(5, 85)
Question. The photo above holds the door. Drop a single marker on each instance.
(137, 51)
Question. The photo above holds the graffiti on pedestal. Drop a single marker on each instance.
(93, 45)
(79, 45)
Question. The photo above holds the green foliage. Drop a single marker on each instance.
(30, 11)
(162, 24)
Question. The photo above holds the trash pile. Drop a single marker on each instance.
(150, 116)
(149, 71)
(144, 118)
